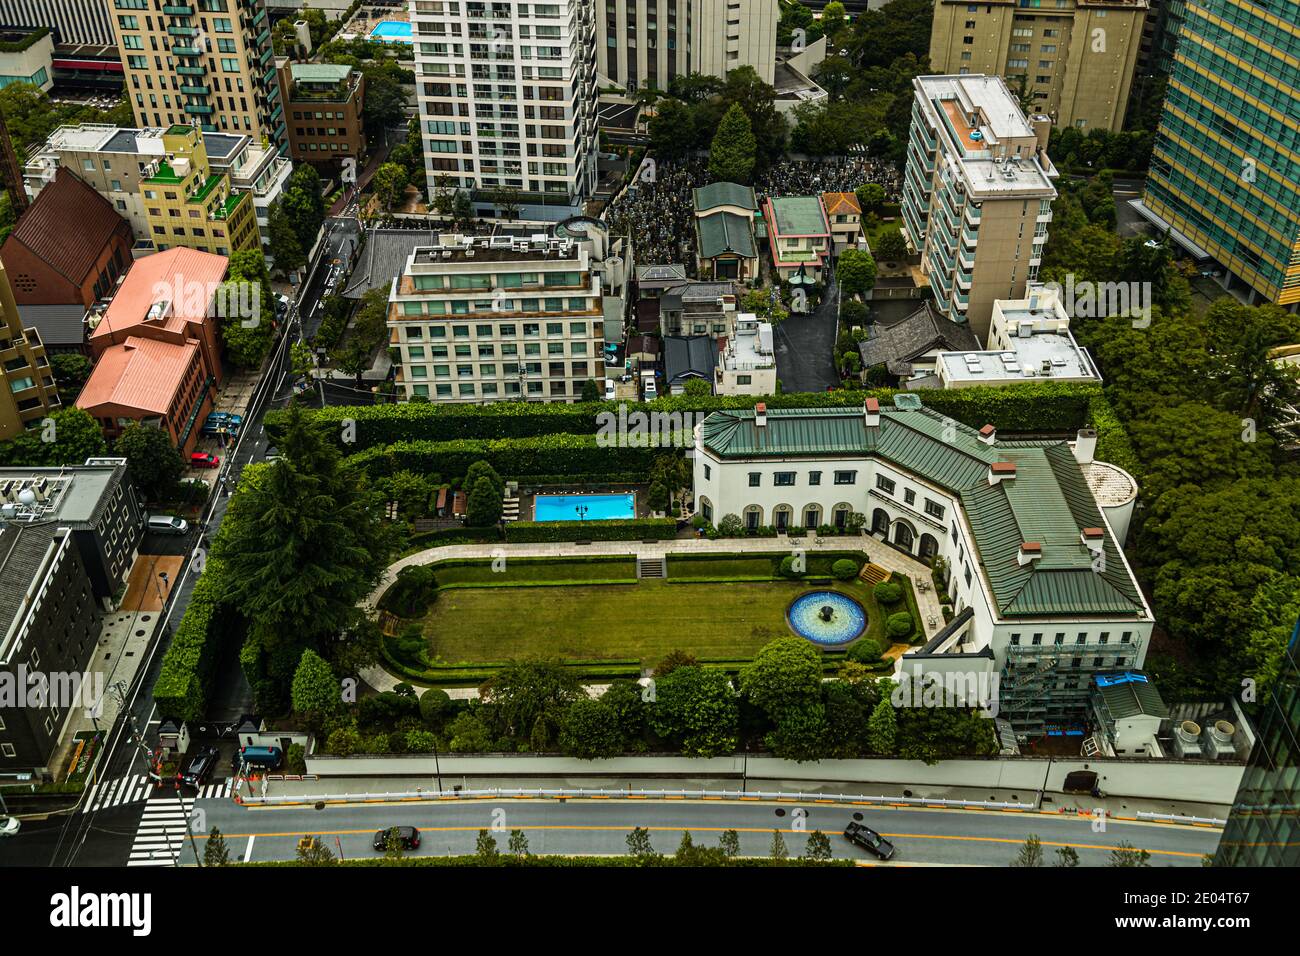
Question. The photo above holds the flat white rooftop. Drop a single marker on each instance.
(1041, 355)
(751, 346)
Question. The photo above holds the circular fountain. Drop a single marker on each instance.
(827, 618)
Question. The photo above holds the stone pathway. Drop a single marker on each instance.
(871, 548)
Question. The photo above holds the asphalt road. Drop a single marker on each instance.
(922, 836)
(805, 346)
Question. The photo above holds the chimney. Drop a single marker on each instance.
(1030, 551)
(760, 415)
(1085, 445)
(988, 435)
(871, 412)
(1093, 538)
(1002, 471)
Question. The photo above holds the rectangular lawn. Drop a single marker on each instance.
(646, 620)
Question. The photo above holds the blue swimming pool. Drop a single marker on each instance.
(598, 507)
(392, 31)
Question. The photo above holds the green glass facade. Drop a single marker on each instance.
(1264, 825)
(1225, 170)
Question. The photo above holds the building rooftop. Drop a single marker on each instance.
(797, 216)
(1130, 694)
(726, 233)
(68, 226)
(895, 346)
(184, 279)
(72, 495)
(724, 194)
(994, 146)
(750, 347)
(141, 373)
(220, 147)
(496, 249)
(59, 325)
(319, 72)
(23, 551)
(1044, 355)
(841, 204)
(687, 357)
(1042, 498)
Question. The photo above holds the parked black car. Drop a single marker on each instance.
(869, 840)
(409, 836)
(198, 768)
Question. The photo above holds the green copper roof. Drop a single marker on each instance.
(319, 72)
(1047, 502)
(724, 194)
(725, 232)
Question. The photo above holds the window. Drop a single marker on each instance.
(884, 484)
(708, 472)
(846, 477)
(783, 478)
(1015, 640)
(934, 509)
(755, 479)
(909, 496)
(814, 477)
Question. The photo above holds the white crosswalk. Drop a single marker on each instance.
(161, 835)
(117, 792)
(121, 791)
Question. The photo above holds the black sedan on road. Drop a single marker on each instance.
(869, 840)
(409, 837)
(198, 768)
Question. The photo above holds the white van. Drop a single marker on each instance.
(168, 524)
(648, 387)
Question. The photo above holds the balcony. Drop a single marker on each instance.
(202, 108)
(187, 51)
(196, 90)
(182, 31)
(178, 9)
(192, 70)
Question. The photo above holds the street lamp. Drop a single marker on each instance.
(582, 511)
(162, 588)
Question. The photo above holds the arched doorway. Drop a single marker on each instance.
(929, 547)
(842, 512)
(782, 517)
(753, 517)
(904, 536)
(706, 509)
(880, 522)
(812, 516)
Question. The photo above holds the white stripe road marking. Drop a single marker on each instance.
(248, 853)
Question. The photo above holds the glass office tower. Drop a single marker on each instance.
(1225, 169)
(1264, 825)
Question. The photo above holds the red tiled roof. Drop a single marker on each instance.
(841, 204)
(184, 277)
(141, 373)
(68, 226)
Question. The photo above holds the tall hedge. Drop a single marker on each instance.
(538, 455)
(186, 674)
(618, 529)
(1054, 407)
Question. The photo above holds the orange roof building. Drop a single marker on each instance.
(151, 382)
(170, 297)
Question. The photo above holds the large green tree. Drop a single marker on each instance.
(303, 203)
(856, 272)
(529, 700)
(696, 709)
(153, 461)
(67, 436)
(247, 309)
(302, 542)
(284, 246)
(732, 154)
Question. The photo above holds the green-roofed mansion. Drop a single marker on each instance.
(1031, 532)
(725, 247)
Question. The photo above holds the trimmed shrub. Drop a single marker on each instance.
(617, 529)
(887, 593)
(185, 676)
(899, 625)
(555, 454)
(434, 705)
(1028, 407)
(845, 569)
(787, 568)
(865, 651)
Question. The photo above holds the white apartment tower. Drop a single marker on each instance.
(646, 43)
(507, 95)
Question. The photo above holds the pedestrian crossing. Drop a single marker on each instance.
(121, 791)
(161, 835)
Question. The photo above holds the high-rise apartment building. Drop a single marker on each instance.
(490, 319)
(643, 44)
(73, 21)
(507, 95)
(1075, 59)
(977, 193)
(201, 61)
(1263, 828)
(1225, 170)
(27, 391)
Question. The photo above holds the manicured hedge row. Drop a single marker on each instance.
(185, 677)
(1027, 407)
(1113, 443)
(622, 529)
(472, 675)
(540, 454)
(506, 860)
